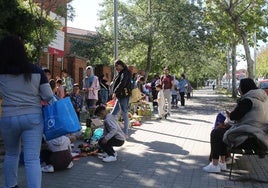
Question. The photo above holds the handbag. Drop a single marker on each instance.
(60, 119)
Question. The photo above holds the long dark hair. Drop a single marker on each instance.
(120, 62)
(247, 84)
(13, 57)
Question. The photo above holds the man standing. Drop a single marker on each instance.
(121, 91)
(182, 88)
(167, 82)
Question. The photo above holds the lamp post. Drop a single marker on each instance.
(255, 55)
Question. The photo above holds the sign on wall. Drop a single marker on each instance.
(56, 47)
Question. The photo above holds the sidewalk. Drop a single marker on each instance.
(162, 154)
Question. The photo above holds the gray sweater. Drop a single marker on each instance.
(112, 128)
(21, 97)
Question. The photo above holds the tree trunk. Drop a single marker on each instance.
(250, 62)
(233, 56)
(149, 61)
(150, 44)
(243, 35)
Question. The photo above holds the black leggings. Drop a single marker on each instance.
(108, 148)
(182, 98)
(218, 147)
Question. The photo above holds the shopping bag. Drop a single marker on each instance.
(60, 119)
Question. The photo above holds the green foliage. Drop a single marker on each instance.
(237, 21)
(93, 48)
(262, 64)
(26, 19)
(15, 19)
(186, 37)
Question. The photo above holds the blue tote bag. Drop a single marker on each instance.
(60, 119)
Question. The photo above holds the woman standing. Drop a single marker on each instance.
(91, 86)
(22, 85)
(121, 92)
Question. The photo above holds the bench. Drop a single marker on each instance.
(250, 148)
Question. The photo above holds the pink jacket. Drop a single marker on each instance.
(93, 89)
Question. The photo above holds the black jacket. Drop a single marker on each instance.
(122, 84)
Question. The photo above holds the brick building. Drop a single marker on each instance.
(75, 65)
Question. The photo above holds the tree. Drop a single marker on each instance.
(32, 21)
(247, 17)
(153, 33)
(94, 47)
(262, 64)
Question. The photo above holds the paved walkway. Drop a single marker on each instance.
(162, 154)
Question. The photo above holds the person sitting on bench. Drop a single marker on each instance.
(250, 117)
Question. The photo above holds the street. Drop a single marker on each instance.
(162, 154)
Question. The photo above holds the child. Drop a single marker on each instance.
(60, 89)
(161, 102)
(77, 100)
(58, 154)
(112, 134)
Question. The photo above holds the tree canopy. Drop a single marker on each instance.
(31, 20)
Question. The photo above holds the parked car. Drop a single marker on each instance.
(263, 84)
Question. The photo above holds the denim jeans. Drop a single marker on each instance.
(122, 104)
(28, 130)
(103, 95)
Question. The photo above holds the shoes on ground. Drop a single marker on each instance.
(212, 168)
(104, 155)
(165, 116)
(223, 166)
(70, 165)
(47, 168)
(109, 159)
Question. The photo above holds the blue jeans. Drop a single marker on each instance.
(103, 95)
(122, 103)
(28, 130)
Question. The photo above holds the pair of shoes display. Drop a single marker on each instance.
(211, 168)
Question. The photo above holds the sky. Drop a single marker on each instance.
(86, 14)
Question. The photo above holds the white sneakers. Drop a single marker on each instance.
(48, 168)
(223, 166)
(104, 155)
(109, 159)
(215, 168)
(70, 165)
